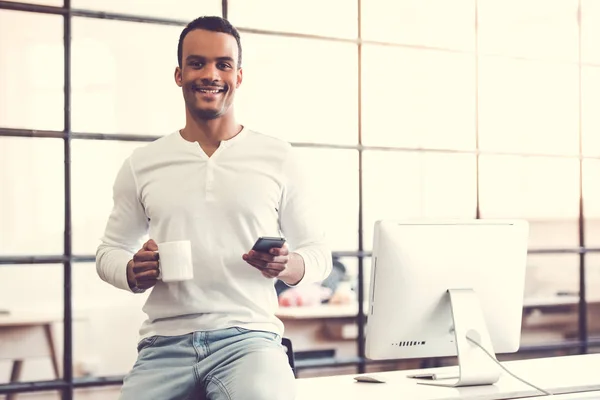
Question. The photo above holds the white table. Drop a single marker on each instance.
(559, 375)
(24, 335)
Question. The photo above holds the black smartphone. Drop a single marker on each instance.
(265, 243)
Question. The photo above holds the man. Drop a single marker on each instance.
(221, 186)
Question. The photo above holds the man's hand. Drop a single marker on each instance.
(142, 271)
(278, 263)
(272, 264)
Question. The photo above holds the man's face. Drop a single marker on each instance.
(209, 74)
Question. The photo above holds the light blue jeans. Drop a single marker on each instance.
(227, 364)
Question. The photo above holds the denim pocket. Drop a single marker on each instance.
(146, 342)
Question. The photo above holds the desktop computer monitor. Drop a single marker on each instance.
(447, 288)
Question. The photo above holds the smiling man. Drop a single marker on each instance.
(219, 185)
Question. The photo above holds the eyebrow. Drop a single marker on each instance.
(196, 57)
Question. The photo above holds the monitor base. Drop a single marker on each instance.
(475, 366)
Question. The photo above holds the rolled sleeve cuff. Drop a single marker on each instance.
(316, 266)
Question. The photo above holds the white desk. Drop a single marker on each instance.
(27, 334)
(558, 375)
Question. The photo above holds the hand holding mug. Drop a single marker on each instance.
(142, 270)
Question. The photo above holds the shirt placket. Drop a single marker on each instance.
(210, 179)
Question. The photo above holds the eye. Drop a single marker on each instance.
(195, 64)
(224, 65)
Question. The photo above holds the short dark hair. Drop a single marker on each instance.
(214, 24)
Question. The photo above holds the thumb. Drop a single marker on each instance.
(150, 245)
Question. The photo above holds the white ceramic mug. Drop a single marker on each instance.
(175, 261)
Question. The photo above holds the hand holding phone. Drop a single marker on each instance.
(265, 243)
(271, 263)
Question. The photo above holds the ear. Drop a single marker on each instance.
(178, 78)
(240, 75)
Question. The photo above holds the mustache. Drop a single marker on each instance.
(207, 83)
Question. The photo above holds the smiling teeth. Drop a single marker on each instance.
(209, 91)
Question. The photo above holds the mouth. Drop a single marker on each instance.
(209, 89)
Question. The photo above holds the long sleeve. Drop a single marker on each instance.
(300, 223)
(126, 227)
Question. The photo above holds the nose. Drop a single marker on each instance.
(210, 73)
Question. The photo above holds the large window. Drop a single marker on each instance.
(299, 90)
(428, 109)
(418, 98)
(448, 25)
(334, 18)
(532, 29)
(417, 185)
(32, 196)
(123, 77)
(528, 106)
(31, 96)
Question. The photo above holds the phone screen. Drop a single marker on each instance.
(264, 244)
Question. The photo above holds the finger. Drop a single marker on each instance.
(265, 271)
(257, 264)
(275, 267)
(146, 284)
(268, 257)
(142, 266)
(266, 275)
(284, 251)
(259, 255)
(141, 256)
(269, 273)
(147, 275)
(151, 245)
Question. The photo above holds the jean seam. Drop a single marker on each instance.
(207, 345)
(216, 380)
(197, 377)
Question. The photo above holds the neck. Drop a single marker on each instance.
(210, 133)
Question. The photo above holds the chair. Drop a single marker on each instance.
(287, 343)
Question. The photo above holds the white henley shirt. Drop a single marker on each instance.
(171, 190)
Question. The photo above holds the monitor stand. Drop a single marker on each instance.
(474, 365)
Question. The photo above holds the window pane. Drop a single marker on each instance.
(529, 28)
(185, 10)
(427, 99)
(592, 276)
(337, 18)
(529, 187)
(123, 88)
(98, 348)
(434, 23)
(92, 188)
(24, 297)
(334, 175)
(401, 185)
(528, 106)
(32, 70)
(285, 94)
(543, 190)
(590, 104)
(591, 202)
(549, 274)
(590, 31)
(32, 196)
